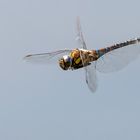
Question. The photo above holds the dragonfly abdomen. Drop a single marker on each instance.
(103, 51)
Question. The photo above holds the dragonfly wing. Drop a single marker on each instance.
(46, 58)
(91, 78)
(80, 37)
(117, 59)
(90, 71)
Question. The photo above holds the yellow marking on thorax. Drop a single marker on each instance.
(78, 60)
(76, 56)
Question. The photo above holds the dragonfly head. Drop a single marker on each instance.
(65, 62)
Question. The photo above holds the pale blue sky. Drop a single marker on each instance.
(44, 102)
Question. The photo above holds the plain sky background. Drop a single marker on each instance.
(42, 102)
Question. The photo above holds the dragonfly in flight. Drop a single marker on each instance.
(109, 59)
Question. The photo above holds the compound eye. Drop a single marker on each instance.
(65, 62)
(66, 58)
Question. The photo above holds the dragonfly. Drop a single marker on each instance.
(108, 59)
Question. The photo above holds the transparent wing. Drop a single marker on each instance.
(91, 78)
(80, 37)
(117, 59)
(90, 71)
(46, 58)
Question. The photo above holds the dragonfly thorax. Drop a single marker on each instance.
(75, 60)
